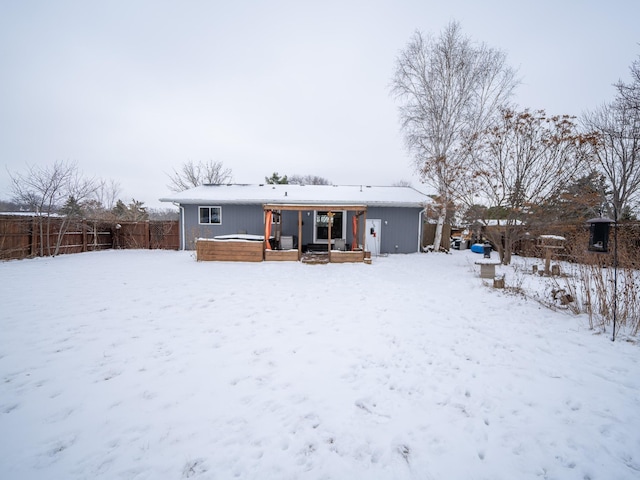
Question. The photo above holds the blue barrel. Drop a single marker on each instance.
(477, 248)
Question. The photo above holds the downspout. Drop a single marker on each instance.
(182, 228)
(420, 227)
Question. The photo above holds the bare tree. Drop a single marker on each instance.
(402, 183)
(193, 174)
(308, 180)
(521, 162)
(9, 206)
(617, 152)
(163, 214)
(107, 192)
(629, 93)
(617, 127)
(44, 189)
(100, 206)
(448, 90)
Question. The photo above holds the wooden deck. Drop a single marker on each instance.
(281, 255)
(347, 257)
(336, 256)
(233, 250)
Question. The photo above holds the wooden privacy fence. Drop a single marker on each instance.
(429, 235)
(32, 236)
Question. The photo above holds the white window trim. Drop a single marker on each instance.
(210, 207)
(324, 240)
(275, 219)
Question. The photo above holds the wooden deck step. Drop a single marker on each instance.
(315, 258)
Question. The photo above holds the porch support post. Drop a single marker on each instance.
(330, 223)
(299, 234)
(364, 227)
(264, 230)
(279, 228)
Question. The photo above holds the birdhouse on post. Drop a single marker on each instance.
(551, 245)
(599, 242)
(599, 234)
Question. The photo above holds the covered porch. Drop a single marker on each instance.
(325, 218)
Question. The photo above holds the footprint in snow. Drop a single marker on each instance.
(371, 407)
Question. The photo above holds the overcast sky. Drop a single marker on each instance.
(132, 89)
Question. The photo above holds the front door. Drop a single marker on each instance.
(372, 238)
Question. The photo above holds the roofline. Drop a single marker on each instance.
(315, 206)
(194, 198)
(310, 204)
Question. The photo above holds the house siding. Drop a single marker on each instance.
(242, 219)
(235, 219)
(400, 226)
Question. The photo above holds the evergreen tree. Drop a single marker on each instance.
(276, 179)
(72, 207)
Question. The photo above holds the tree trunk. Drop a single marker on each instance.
(48, 237)
(508, 244)
(437, 240)
(41, 231)
(501, 251)
(62, 229)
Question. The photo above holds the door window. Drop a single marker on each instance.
(321, 230)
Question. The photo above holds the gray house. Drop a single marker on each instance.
(376, 219)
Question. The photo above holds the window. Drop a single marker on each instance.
(321, 230)
(276, 219)
(210, 215)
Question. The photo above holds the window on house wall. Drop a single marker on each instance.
(321, 230)
(210, 215)
(276, 217)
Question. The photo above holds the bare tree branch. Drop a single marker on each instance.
(617, 127)
(107, 193)
(193, 174)
(523, 160)
(44, 189)
(308, 180)
(448, 89)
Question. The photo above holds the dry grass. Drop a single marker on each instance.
(601, 287)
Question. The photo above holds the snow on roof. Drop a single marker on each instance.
(302, 194)
(28, 214)
(498, 222)
(552, 237)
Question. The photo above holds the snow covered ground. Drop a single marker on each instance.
(149, 365)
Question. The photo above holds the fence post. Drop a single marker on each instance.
(84, 234)
(34, 238)
(147, 235)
